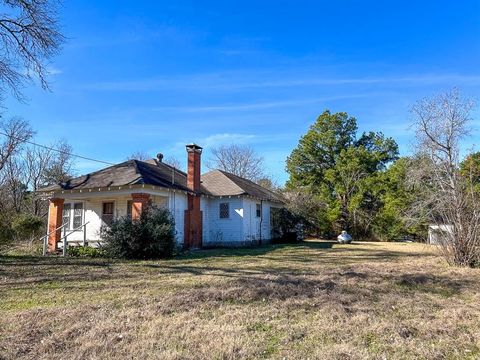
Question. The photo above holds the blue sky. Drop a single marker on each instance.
(154, 75)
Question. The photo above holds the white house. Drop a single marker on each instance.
(213, 209)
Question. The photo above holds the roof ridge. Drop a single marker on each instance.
(223, 183)
(128, 172)
(165, 164)
(248, 180)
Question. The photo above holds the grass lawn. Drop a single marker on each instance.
(316, 300)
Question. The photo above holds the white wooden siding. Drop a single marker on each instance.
(241, 228)
(224, 232)
(252, 223)
(178, 204)
(93, 207)
(205, 208)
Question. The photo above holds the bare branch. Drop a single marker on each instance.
(15, 133)
(29, 38)
(138, 155)
(173, 161)
(448, 196)
(240, 160)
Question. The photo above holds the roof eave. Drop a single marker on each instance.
(113, 188)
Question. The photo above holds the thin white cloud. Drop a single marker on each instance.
(229, 138)
(54, 71)
(412, 79)
(242, 80)
(259, 105)
(219, 139)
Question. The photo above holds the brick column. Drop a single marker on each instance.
(139, 202)
(55, 216)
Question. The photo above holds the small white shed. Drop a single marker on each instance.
(438, 233)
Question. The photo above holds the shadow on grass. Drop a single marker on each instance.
(361, 291)
(431, 284)
(50, 260)
(326, 252)
(277, 260)
(253, 250)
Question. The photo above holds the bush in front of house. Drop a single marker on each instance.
(85, 251)
(152, 236)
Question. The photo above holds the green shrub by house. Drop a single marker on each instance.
(149, 237)
(26, 226)
(87, 251)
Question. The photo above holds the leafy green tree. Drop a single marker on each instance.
(319, 148)
(397, 196)
(470, 170)
(340, 169)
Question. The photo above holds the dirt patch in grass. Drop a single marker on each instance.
(313, 300)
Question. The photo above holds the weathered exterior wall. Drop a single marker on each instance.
(251, 223)
(177, 206)
(224, 232)
(205, 209)
(242, 227)
(93, 207)
(257, 229)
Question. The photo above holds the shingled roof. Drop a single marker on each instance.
(222, 183)
(136, 172)
(131, 172)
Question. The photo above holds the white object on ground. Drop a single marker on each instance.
(344, 238)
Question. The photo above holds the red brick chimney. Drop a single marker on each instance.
(194, 164)
(193, 215)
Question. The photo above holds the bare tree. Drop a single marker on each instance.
(31, 169)
(173, 161)
(138, 155)
(62, 164)
(310, 208)
(143, 156)
(240, 160)
(13, 187)
(15, 132)
(268, 183)
(29, 38)
(448, 197)
(37, 162)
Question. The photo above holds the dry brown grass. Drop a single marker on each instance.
(317, 301)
